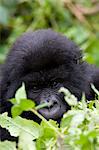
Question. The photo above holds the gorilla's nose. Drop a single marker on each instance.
(52, 111)
(52, 101)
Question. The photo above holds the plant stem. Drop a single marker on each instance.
(49, 124)
(41, 106)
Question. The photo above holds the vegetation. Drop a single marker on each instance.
(79, 127)
(77, 19)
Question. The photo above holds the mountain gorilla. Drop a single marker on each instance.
(45, 61)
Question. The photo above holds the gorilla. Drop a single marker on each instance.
(45, 61)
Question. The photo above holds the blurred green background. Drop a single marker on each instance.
(77, 19)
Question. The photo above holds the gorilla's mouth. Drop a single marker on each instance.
(54, 111)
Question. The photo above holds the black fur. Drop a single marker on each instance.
(46, 61)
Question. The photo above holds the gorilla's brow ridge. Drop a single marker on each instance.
(46, 75)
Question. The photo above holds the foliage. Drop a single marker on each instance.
(77, 19)
(79, 127)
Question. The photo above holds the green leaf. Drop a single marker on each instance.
(77, 119)
(13, 101)
(53, 123)
(28, 126)
(72, 101)
(69, 98)
(19, 125)
(84, 102)
(16, 110)
(97, 104)
(21, 93)
(26, 104)
(50, 144)
(65, 122)
(49, 132)
(91, 104)
(26, 142)
(9, 124)
(4, 15)
(95, 90)
(7, 145)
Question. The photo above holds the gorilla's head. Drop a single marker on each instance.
(45, 61)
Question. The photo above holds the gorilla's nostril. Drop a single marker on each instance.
(53, 104)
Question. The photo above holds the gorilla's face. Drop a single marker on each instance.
(43, 86)
(45, 61)
(48, 94)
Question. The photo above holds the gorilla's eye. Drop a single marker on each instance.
(55, 84)
(35, 88)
